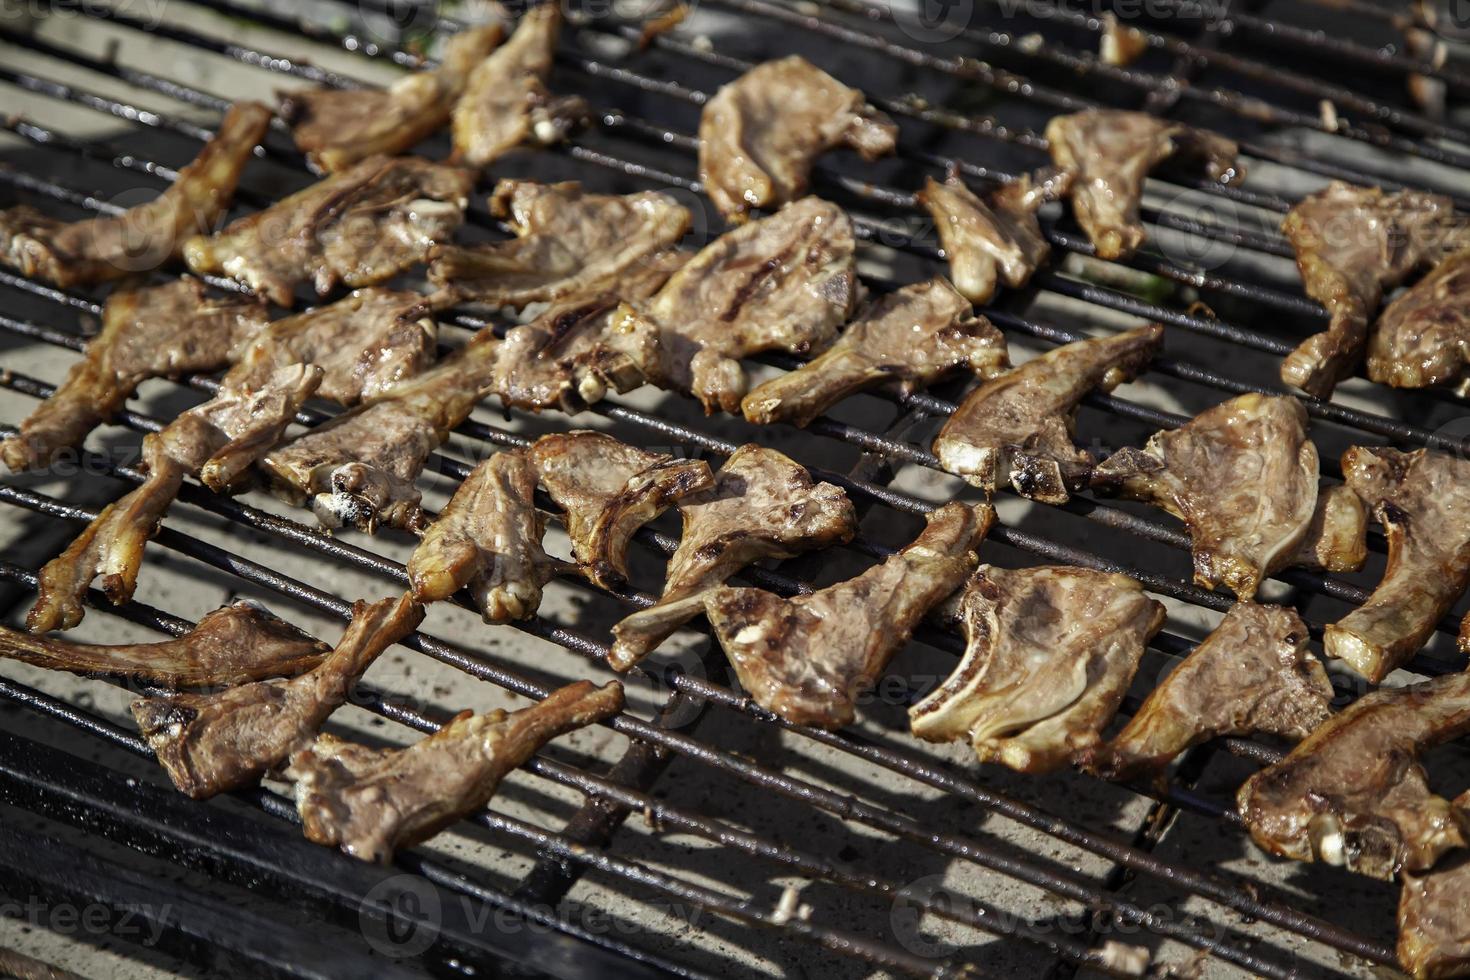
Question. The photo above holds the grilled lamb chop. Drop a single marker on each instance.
(219, 439)
(760, 134)
(360, 467)
(1352, 244)
(571, 354)
(1109, 153)
(1420, 499)
(1354, 794)
(1210, 473)
(786, 282)
(359, 227)
(1050, 654)
(1434, 917)
(364, 343)
(211, 743)
(1423, 337)
(235, 644)
(568, 244)
(147, 333)
(1000, 240)
(489, 538)
(915, 336)
(337, 128)
(609, 490)
(762, 506)
(371, 802)
(1017, 427)
(1253, 674)
(507, 104)
(808, 658)
(145, 237)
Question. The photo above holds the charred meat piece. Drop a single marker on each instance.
(762, 506)
(571, 354)
(506, 103)
(161, 331)
(568, 244)
(336, 128)
(371, 802)
(359, 468)
(364, 343)
(219, 440)
(1354, 794)
(999, 240)
(1050, 653)
(1337, 539)
(211, 743)
(1434, 917)
(786, 282)
(808, 658)
(1420, 498)
(760, 134)
(489, 538)
(1352, 244)
(145, 237)
(358, 227)
(1423, 337)
(1253, 674)
(914, 336)
(1109, 152)
(234, 644)
(1242, 475)
(609, 490)
(1017, 427)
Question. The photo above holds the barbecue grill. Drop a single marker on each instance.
(697, 834)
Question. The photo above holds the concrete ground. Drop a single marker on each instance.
(187, 588)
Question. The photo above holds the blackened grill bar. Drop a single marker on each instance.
(903, 764)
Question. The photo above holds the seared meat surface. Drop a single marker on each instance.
(571, 354)
(1337, 539)
(234, 644)
(915, 336)
(143, 238)
(1352, 244)
(1242, 475)
(1017, 427)
(358, 227)
(786, 282)
(760, 134)
(218, 439)
(153, 332)
(359, 468)
(371, 802)
(762, 505)
(1420, 498)
(999, 240)
(568, 244)
(810, 657)
(1253, 674)
(336, 128)
(1434, 917)
(1109, 152)
(506, 103)
(1050, 653)
(1423, 337)
(364, 343)
(1354, 794)
(489, 538)
(609, 490)
(211, 743)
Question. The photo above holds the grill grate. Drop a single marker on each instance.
(586, 842)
